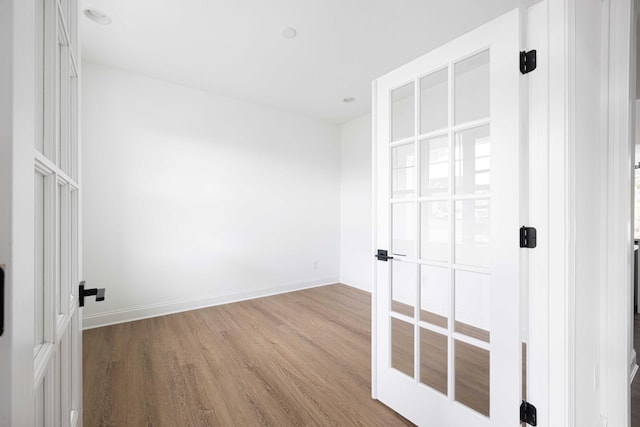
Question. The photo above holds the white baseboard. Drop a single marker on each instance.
(362, 288)
(144, 312)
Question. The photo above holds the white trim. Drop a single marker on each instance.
(374, 236)
(615, 334)
(351, 285)
(154, 310)
(551, 292)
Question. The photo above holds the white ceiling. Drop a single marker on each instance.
(234, 47)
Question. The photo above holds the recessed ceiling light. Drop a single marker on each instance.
(97, 16)
(348, 99)
(288, 32)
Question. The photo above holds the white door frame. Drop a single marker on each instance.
(552, 266)
(616, 338)
(17, 124)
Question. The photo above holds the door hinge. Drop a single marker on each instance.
(528, 413)
(528, 237)
(527, 61)
(382, 255)
(82, 293)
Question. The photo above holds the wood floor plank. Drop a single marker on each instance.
(301, 358)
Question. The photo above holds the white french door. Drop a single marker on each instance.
(447, 345)
(57, 334)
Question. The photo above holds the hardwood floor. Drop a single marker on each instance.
(302, 358)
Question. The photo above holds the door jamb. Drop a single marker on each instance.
(17, 120)
(616, 340)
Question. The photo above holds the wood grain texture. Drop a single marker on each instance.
(472, 331)
(302, 358)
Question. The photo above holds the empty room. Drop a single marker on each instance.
(319, 212)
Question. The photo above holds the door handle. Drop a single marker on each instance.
(99, 293)
(383, 255)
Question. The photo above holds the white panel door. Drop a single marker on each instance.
(447, 341)
(57, 335)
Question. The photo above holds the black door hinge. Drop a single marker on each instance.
(82, 293)
(528, 237)
(382, 255)
(527, 61)
(528, 413)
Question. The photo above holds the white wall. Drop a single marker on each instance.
(356, 253)
(192, 199)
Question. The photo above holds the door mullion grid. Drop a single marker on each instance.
(49, 316)
(74, 245)
(49, 90)
(66, 249)
(451, 225)
(49, 394)
(63, 27)
(60, 274)
(40, 158)
(56, 359)
(73, 122)
(57, 88)
(76, 358)
(55, 386)
(391, 249)
(64, 381)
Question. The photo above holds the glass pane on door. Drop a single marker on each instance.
(434, 166)
(434, 101)
(404, 229)
(39, 260)
(473, 304)
(404, 171)
(434, 231)
(402, 346)
(472, 232)
(434, 295)
(402, 112)
(39, 405)
(404, 279)
(472, 386)
(434, 360)
(471, 88)
(473, 161)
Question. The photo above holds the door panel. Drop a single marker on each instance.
(447, 303)
(58, 326)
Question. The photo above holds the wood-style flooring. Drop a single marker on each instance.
(301, 358)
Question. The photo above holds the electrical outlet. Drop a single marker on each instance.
(314, 265)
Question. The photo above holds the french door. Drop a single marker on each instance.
(57, 333)
(447, 345)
